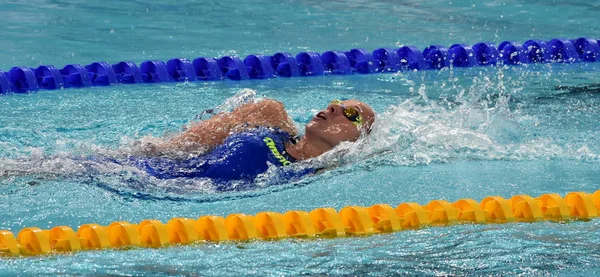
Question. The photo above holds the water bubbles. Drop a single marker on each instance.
(422, 92)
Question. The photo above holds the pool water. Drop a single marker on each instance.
(449, 134)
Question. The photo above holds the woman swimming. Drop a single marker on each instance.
(243, 143)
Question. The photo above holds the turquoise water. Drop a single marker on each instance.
(450, 134)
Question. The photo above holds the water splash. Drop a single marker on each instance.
(480, 122)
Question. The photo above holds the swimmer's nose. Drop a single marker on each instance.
(334, 108)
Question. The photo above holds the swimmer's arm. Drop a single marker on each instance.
(212, 132)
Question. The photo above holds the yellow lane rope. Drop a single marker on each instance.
(321, 222)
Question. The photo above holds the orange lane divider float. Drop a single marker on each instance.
(321, 222)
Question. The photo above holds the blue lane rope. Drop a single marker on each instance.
(23, 79)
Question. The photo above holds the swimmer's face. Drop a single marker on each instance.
(334, 124)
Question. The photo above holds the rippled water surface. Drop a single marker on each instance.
(449, 134)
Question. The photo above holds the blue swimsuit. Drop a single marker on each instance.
(242, 156)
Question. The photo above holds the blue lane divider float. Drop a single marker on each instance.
(101, 74)
(386, 60)
(461, 55)
(411, 58)
(259, 67)
(181, 70)
(233, 68)
(536, 51)
(155, 72)
(207, 69)
(485, 53)
(127, 73)
(512, 52)
(285, 65)
(48, 77)
(4, 83)
(336, 62)
(588, 49)
(436, 57)
(310, 64)
(22, 79)
(361, 61)
(75, 76)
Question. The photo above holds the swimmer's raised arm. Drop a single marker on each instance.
(212, 132)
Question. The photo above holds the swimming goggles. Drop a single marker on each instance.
(350, 113)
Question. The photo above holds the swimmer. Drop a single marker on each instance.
(241, 144)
